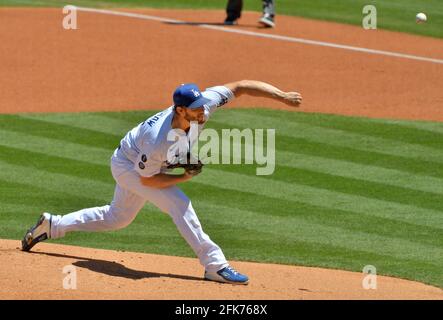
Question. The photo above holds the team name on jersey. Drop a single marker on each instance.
(152, 120)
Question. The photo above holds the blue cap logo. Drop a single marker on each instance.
(189, 95)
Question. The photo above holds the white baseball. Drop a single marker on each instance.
(420, 17)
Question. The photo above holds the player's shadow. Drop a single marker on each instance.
(115, 269)
(221, 24)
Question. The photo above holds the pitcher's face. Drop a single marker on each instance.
(197, 114)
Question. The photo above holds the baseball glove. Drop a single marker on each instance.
(191, 165)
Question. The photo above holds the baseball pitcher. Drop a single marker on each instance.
(140, 168)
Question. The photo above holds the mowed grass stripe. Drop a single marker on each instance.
(285, 209)
(23, 142)
(308, 134)
(32, 200)
(378, 159)
(54, 182)
(89, 121)
(392, 127)
(296, 228)
(252, 245)
(353, 183)
(321, 197)
(434, 127)
(54, 164)
(292, 128)
(370, 173)
(61, 132)
(341, 168)
(12, 206)
(350, 186)
(384, 130)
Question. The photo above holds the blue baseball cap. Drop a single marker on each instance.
(189, 95)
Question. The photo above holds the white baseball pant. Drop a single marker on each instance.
(129, 198)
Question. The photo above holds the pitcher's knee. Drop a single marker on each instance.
(120, 218)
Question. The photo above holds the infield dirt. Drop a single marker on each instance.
(120, 63)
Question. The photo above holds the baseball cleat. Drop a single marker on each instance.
(267, 21)
(227, 275)
(38, 233)
(230, 22)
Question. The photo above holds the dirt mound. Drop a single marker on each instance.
(107, 274)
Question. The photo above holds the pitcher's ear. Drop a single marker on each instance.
(180, 110)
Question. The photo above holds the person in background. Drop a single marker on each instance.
(234, 8)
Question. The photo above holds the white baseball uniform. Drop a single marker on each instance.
(143, 152)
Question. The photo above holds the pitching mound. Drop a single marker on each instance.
(107, 274)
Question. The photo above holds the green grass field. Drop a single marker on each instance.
(398, 15)
(347, 192)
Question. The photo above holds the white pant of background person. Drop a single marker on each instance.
(129, 198)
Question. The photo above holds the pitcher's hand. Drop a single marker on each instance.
(292, 99)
